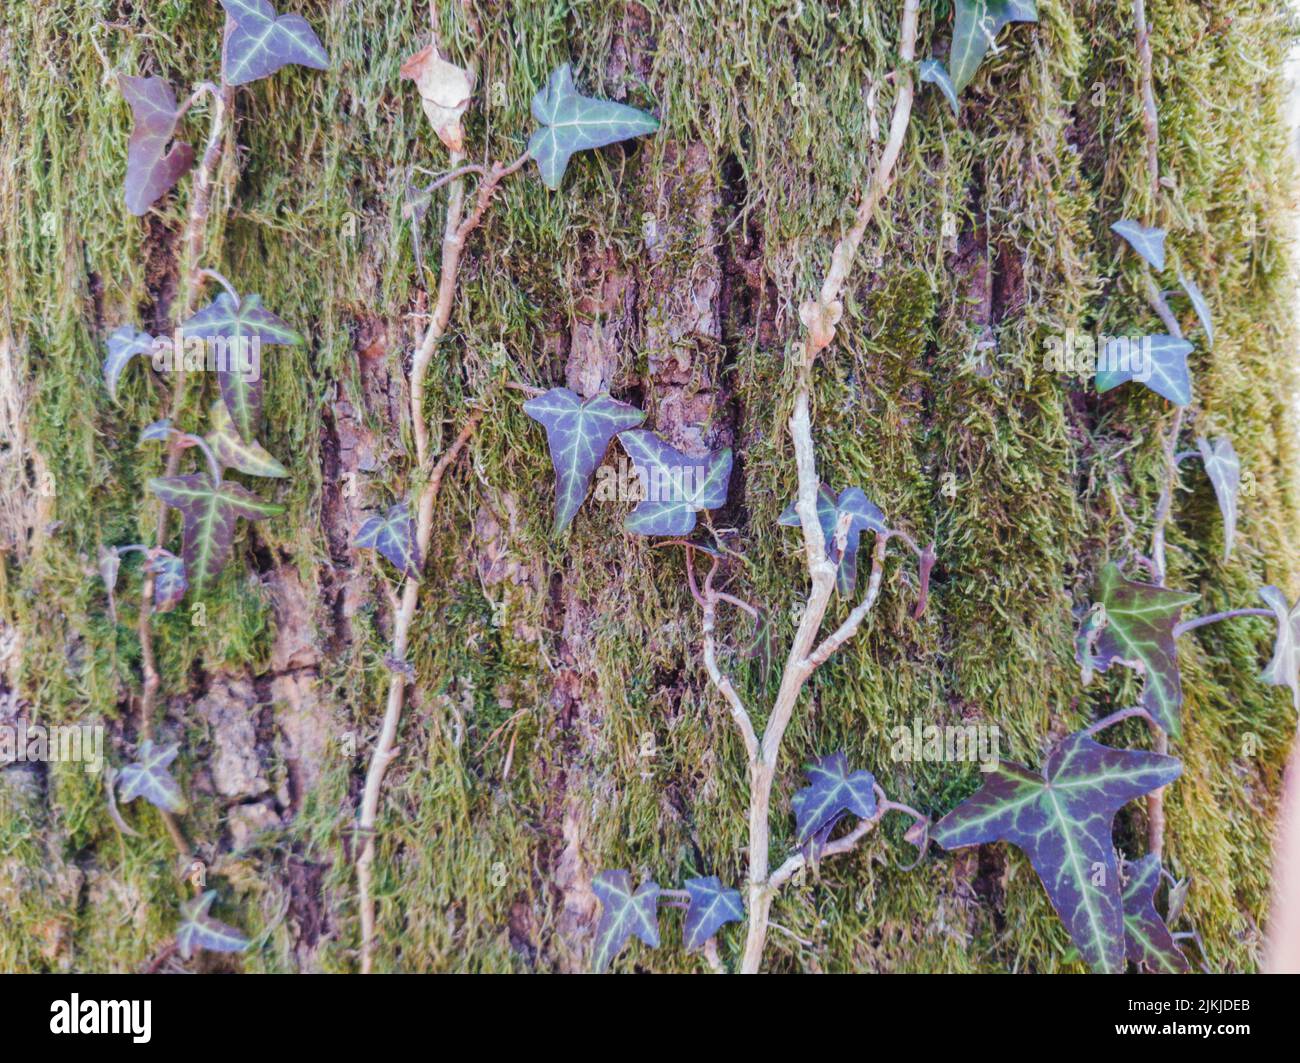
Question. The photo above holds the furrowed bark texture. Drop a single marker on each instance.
(563, 720)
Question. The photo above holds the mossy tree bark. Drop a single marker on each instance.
(563, 722)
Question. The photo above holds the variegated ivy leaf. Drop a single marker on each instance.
(123, 345)
(935, 73)
(578, 434)
(109, 563)
(169, 582)
(571, 122)
(623, 914)
(712, 905)
(863, 515)
(1199, 304)
(149, 778)
(156, 432)
(198, 930)
(1159, 362)
(1284, 669)
(208, 515)
(1062, 820)
(1223, 467)
(1147, 940)
(975, 27)
(1139, 634)
(673, 486)
(262, 42)
(1149, 243)
(832, 793)
(244, 329)
(232, 452)
(152, 170)
(393, 535)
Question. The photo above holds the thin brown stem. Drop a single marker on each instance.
(1150, 116)
(1214, 618)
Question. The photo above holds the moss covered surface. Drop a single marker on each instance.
(563, 722)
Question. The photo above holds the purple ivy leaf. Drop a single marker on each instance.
(149, 778)
(1199, 304)
(673, 485)
(1149, 243)
(393, 535)
(157, 432)
(152, 170)
(832, 792)
(198, 930)
(123, 345)
(1284, 669)
(1139, 634)
(169, 582)
(864, 515)
(208, 515)
(570, 122)
(1062, 820)
(261, 43)
(232, 452)
(712, 905)
(109, 563)
(578, 434)
(244, 329)
(1147, 940)
(1162, 361)
(623, 914)
(1223, 467)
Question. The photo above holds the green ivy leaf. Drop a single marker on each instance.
(1062, 820)
(1139, 634)
(198, 930)
(1284, 669)
(711, 907)
(262, 42)
(393, 535)
(1147, 940)
(976, 26)
(571, 122)
(578, 434)
(1149, 243)
(238, 370)
(935, 73)
(124, 344)
(208, 515)
(1223, 467)
(1160, 364)
(622, 915)
(1201, 307)
(231, 452)
(674, 486)
(149, 778)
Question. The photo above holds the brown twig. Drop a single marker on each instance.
(1150, 116)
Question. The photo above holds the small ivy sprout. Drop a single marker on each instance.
(1147, 940)
(393, 535)
(149, 778)
(198, 930)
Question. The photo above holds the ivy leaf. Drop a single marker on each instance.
(1149, 243)
(123, 345)
(109, 563)
(1224, 470)
(149, 778)
(1161, 365)
(1062, 820)
(151, 170)
(169, 582)
(157, 431)
(208, 515)
(393, 535)
(934, 72)
(198, 930)
(1201, 307)
(578, 434)
(674, 486)
(864, 515)
(1284, 669)
(261, 42)
(571, 122)
(1139, 634)
(975, 27)
(244, 326)
(1146, 937)
(832, 793)
(711, 906)
(444, 90)
(231, 452)
(623, 914)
